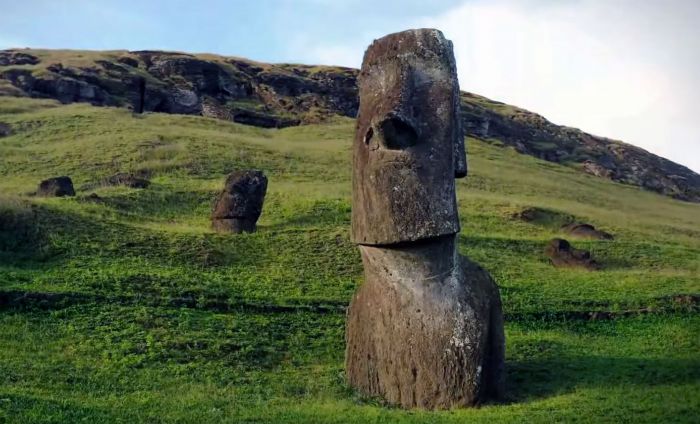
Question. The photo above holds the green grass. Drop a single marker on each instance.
(130, 309)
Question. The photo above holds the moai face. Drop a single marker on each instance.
(239, 205)
(408, 145)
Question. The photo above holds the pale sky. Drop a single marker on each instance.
(622, 69)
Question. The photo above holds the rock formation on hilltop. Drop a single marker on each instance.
(280, 95)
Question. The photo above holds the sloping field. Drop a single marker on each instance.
(126, 307)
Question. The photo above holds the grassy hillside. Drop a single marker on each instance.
(128, 308)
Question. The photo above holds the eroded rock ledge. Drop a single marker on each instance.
(281, 95)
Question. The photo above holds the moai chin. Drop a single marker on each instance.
(425, 329)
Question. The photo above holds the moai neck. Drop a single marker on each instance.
(424, 261)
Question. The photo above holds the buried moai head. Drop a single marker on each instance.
(239, 205)
(409, 144)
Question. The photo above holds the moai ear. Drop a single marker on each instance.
(460, 157)
(460, 151)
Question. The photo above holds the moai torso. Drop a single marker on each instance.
(425, 329)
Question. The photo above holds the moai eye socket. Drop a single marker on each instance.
(397, 134)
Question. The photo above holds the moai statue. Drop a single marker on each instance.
(239, 205)
(425, 329)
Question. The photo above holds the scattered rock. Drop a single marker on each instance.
(56, 187)
(562, 254)
(579, 229)
(239, 205)
(128, 180)
(5, 129)
(542, 216)
(183, 101)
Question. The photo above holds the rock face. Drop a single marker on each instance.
(425, 329)
(583, 230)
(12, 57)
(239, 205)
(56, 187)
(562, 254)
(281, 95)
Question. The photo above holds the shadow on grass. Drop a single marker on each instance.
(157, 203)
(524, 248)
(19, 300)
(29, 408)
(319, 213)
(539, 378)
(74, 235)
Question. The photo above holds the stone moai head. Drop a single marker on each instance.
(409, 144)
(239, 205)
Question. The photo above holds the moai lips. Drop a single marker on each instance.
(409, 145)
(425, 329)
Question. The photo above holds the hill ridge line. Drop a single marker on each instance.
(280, 95)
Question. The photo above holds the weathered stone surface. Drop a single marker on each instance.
(138, 100)
(425, 329)
(13, 57)
(265, 120)
(56, 187)
(129, 61)
(184, 101)
(239, 205)
(597, 169)
(562, 254)
(128, 180)
(579, 229)
(408, 130)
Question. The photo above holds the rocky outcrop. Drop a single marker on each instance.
(281, 95)
(56, 187)
(12, 57)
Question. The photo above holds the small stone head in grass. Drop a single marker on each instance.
(239, 205)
